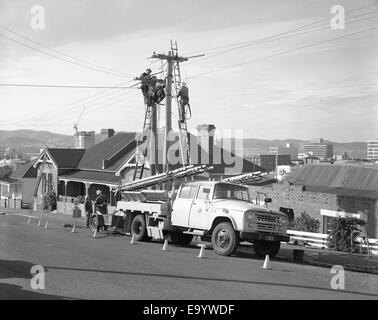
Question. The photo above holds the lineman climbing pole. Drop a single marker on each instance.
(173, 76)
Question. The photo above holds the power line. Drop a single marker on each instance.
(281, 53)
(60, 58)
(295, 29)
(62, 53)
(283, 35)
(61, 86)
(72, 107)
(67, 116)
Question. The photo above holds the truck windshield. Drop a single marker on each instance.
(229, 191)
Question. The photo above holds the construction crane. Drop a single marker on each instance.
(76, 124)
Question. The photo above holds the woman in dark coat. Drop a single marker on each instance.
(88, 209)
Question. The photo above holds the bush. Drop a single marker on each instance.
(305, 223)
(341, 233)
(49, 201)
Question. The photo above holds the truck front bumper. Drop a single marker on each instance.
(251, 236)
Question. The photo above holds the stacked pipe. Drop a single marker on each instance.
(245, 177)
(157, 179)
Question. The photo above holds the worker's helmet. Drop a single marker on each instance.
(149, 70)
(98, 192)
(184, 84)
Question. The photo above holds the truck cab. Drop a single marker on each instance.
(223, 213)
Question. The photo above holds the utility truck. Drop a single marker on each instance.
(215, 211)
(220, 212)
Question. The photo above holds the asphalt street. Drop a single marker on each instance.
(78, 266)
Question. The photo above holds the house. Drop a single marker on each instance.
(79, 172)
(327, 192)
(16, 191)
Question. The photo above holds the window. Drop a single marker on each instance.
(204, 192)
(188, 191)
(229, 191)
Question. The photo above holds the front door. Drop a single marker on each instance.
(183, 204)
(199, 216)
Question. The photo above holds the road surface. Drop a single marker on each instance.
(78, 266)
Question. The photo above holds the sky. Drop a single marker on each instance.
(261, 74)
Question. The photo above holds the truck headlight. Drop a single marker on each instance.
(283, 220)
(250, 216)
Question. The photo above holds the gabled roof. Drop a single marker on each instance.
(340, 179)
(66, 158)
(25, 171)
(113, 150)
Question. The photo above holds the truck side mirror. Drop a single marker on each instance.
(268, 200)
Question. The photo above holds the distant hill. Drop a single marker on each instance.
(33, 141)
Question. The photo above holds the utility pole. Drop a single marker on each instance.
(173, 60)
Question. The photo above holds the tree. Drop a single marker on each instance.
(342, 231)
(305, 223)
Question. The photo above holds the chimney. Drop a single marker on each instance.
(106, 134)
(206, 134)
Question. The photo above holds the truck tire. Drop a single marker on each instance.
(263, 248)
(180, 238)
(138, 228)
(224, 239)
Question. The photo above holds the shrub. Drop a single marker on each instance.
(305, 223)
(49, 201)
(341, 233)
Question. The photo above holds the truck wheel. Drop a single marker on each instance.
(224, 239)
(138, 228)
(180, 238)
(263, 248)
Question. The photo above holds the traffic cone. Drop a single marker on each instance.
(29, 219)
(39, 223)
(46, 224)
(266, 263)
(95, 233)
(73, 229)
(165, 246)
(132, 239)
(202, 251)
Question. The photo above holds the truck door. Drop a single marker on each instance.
(183, 204)
(199, 216)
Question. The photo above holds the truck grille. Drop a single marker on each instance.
(267, 223)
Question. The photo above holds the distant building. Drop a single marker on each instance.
(372, 149)
(84, 139)
(343, 156)
(289, 149)
(317, 148)
(269, 161)
(105, 134)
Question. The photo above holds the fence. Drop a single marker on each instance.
(319, 240)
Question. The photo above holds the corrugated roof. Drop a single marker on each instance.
(93, 157)
(66, 158)
(341, 179)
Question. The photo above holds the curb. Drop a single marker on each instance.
(349, 267)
